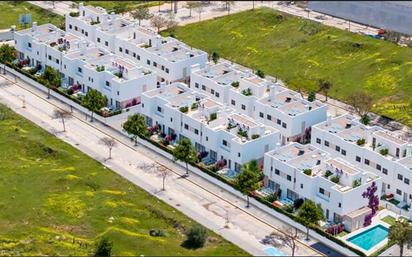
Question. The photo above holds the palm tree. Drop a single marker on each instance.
(401, 234)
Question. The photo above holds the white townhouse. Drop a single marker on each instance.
(171, 59)
(212, 127)
(304, 171)
(263, 99)
(387, 154)
(81, 63)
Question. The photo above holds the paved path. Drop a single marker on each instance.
(196, 197)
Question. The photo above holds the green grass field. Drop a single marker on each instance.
(301, 52)
(130, 5)
(10, 11)
(52, 197)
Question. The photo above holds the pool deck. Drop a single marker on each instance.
(359, 231)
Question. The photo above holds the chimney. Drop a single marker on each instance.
(273, 91)
(83, 46)
(158, 41)
(34, 26)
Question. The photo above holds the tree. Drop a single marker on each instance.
(260, 74)
(104, 248)
(50, 78)
(158, 22)
(63, 115)
(288, 237)
(164, 173)
(171, 23)
(120, 7)
(94, 101)
(141, 13)
(196, 237)
(248, 179)
(135, 126)
(361, 102)
(199, 9)
(311, 96)
(185, 152)
(215, 57)
(325, 86)
(228, 4)
(192, 5)
(7, 53)
(110, 143)
(310, 213)
(401, 234)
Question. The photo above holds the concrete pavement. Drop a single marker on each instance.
(196, 197)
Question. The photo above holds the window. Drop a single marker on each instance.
(138, 57)
(385, 171)
(86, 33)
(301, 186)
(399, 192)
(207, 138)
(196, 131)
(358, 159)
(82, 31)
(163, 67)
(400, 177)
(155, 64)
(343, 152)
(366, 161)
(406, 181)
(217, 94)
(268, 116)
(233, 102)
(118, 93)
(327, 143)
(238, 154)
(283, 124)
(126, 51)
(321, 190)
(171, 119)
(186, 126)
(261, 114)
(159, 109)
(75, 28)
(196, 84)
(70, 26)
(378, 167)
(278, 121)
(148, 62)
(98, 40)
(212, 91)
(318, 141)
(337, 148)
(134, 55)
(340, 205)
(120, 49)
(78, 69)
(203, 87)
(106, 43)
(288, 177)
(57, 61)
(167, 70)
(224, 142)
(107, 84)
(243, 107)
(277, 172)
(51, 58)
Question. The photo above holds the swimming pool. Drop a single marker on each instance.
(231, 174)
(369, 238)
(272, 251)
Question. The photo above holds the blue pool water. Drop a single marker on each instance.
(272, 251)
(230, 174)
(369, 238)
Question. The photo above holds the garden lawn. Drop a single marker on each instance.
(52, 197)
(300, 52)
(10, 11)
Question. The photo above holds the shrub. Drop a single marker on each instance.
(260, 73)
(195, 106)
(255, 136)
(328, 173)
(242, 133)
(289, 208)
(235, 84)
(184, 109)
(156, 232)
(213, 116)
(384, 151)
(361, 142)
(74, 14)
(297, 203)
(247, 92)
(196, 237)
(334, 179)
(271, 198)
(103, 248)
(308, 172)
(311, 96)
(365, 119)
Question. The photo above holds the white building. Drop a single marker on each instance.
(82, 63)
(263, 99)
(170, 58)
(211, 126)
(374, 149)
(304, 171)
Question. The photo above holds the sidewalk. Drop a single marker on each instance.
(196, 197)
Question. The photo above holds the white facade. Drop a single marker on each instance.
(218, 136)
(81, 62)
(339, 137)
(304, 171)
(170, 58)
(264, 100)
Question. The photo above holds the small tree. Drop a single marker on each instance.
(7, 53)
(141, 13)
(311, 96)
(94, 101)
(110, 143)
(199, 10)
(401, 234)
(248, 179)
(104, 248)
(185, 152)
(158, 22)
(63, 115)
(171, 23)
(164, 173)
(228, 5)
(50, 78)
(361, 102)
(260, 74)
(288, 237)
(215, 57)
(192, 5)
(324, 87)
(135, 126)
(196, 237)
(310, 213)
